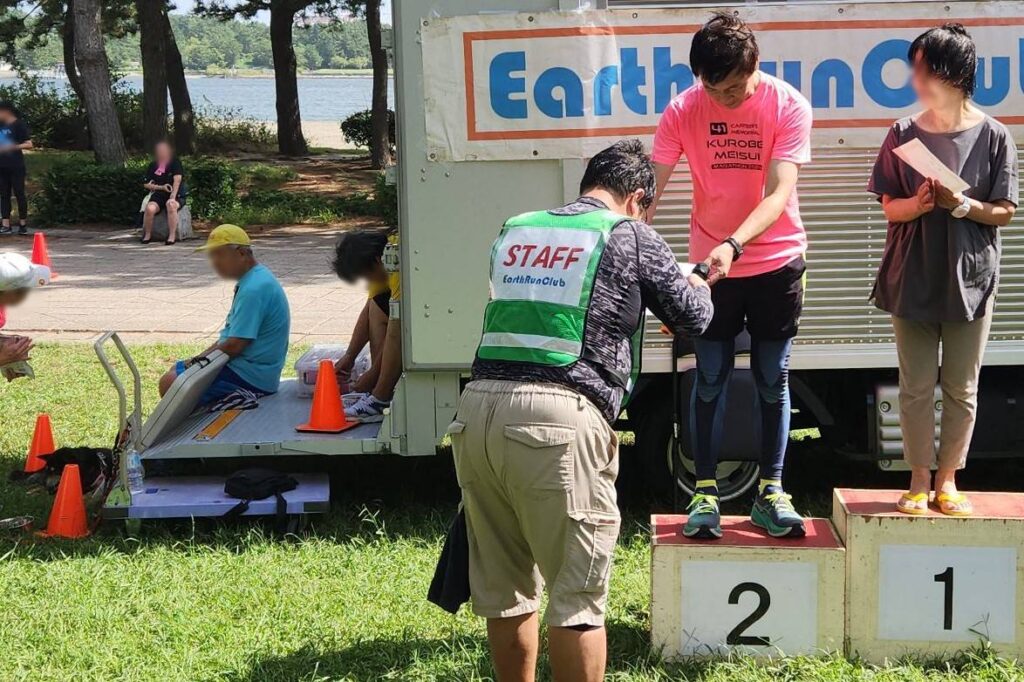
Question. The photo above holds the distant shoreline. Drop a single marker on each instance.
(255, 74)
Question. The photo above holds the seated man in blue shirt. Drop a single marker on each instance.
(255, 334)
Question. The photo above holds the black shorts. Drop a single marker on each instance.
(383, 301)
(769, 305)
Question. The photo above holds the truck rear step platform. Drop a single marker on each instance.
(203, 496)
(268, 430)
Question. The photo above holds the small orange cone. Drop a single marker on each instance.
(67, 518)
(327, 414)
(42, 444)
(41, 254)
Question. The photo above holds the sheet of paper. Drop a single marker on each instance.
(918, 157)
(686, 268)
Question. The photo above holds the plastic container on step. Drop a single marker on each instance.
(308, 365)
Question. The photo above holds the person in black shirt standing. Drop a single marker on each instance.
(166, 186)
(15, 137)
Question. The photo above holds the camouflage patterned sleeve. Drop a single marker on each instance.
(666, 293)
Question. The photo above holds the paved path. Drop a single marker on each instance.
(107, 280)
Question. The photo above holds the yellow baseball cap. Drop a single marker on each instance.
(226, 235)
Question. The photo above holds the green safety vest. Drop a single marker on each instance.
(543, 268)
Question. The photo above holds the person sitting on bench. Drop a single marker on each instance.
(359, 255)
(255, 334)
(167, 192)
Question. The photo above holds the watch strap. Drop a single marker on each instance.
(737, 248)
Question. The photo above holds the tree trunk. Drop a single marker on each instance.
(104, 128)
(154, 71)
(290, 141)
(184, 118)
(68, 40)
(380, 141)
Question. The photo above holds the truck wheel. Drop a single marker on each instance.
(655, 445)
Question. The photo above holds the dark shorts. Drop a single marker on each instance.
(226, 383)
(383, 301)
(769, 305)
(160, 199)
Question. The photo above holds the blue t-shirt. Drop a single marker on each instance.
(259, 313)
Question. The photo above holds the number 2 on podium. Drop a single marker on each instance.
(736, 636)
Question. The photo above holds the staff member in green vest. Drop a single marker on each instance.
(535, 453)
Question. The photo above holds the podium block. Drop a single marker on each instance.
(747, 592)
(931, 585)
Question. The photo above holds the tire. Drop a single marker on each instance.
(655, 445)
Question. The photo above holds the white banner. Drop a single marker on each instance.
(559, 85)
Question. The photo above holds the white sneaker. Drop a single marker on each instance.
(350, 399)
(367, 410)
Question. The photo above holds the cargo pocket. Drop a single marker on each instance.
(589, 555)
(540, 458)
(463, 465)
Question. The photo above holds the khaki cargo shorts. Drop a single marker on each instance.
(537, 465)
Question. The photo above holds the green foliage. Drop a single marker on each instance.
(219, 129)
(75, 192)
(213, 187)
(56, 118)
(260, 175)
(385, 200)
(207, 43)
(358, 130)
(279, 207)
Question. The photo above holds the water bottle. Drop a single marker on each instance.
(136, 474)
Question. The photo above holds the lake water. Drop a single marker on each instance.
(320, 98)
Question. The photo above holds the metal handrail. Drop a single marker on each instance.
(132, 422)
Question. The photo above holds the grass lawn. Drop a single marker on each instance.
(217, 601)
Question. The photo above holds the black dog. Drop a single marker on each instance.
(96, 467)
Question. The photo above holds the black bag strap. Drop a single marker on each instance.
(238, 509)
(280, 515)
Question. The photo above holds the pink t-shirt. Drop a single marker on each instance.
(3, 317)
(728, 151)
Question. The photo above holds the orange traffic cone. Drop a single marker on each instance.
(42, 444)
(41, 254)
(327, 414)
(67, 518)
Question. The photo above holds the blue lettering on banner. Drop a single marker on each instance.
(646, 88)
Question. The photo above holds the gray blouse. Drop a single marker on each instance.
(938, 268)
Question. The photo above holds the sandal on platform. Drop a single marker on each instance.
(913, 504)
(954, 504)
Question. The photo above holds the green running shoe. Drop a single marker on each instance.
(774, 512)
(703, 519)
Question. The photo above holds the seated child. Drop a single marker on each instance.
(359, 256)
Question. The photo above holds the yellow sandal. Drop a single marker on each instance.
(954, 504)
(915, 505)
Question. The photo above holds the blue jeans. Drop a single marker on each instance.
(226, 383)
(769, 362)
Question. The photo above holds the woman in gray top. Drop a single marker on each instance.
(940, 270)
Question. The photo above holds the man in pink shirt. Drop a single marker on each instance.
(745, 135)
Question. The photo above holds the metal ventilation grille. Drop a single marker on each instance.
(846, 235)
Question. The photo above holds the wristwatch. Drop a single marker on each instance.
(963, 209)
(737, 248)
(702, 270)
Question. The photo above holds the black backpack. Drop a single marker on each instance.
(259, 484)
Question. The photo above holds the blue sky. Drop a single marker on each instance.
(185, 6)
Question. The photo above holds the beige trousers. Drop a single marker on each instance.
(963, 345)
(537, 466)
